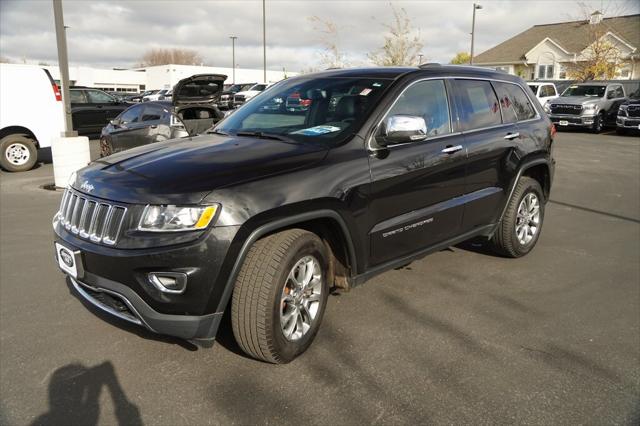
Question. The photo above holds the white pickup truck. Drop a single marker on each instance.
(545, 92)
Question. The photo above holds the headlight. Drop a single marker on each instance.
(589, 108)
(623, 110)
(172, 218)
(547, 108)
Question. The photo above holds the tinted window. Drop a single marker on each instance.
(259, 87)
(77, 97)
(587, 90)
(478, 104)
(506, 104)
(152, 113)
(548, 91)
(98, 97)
(131, 115)
(619, 92)
(523, 108)
(426, 99)
(534, 88)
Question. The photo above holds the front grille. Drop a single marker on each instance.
(91, 219)
(633, 110)
(238, 98)
(566, 109)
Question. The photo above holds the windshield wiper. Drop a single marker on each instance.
(263, 135)
(217, 132)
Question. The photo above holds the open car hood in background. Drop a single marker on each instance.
(198, 89)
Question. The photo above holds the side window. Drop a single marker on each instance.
(506, 104)
(98, 97)
(426, 99)
(478, 104)
(152, 113)
(547, 91)
(619, 92)
(522, 106)
(77, 97)
(131, 115)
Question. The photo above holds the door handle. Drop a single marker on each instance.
(451, 149)
(511, 136)
(153, 126)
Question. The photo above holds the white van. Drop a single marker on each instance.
(30, 115)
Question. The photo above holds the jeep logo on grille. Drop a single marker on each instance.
(66, 258)
(86, 186)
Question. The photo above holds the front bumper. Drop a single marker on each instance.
(572, 120)
(116, 281)
(628, 122)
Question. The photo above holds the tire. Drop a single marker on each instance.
(18, 153)
(264, 295)
(106, 148)
(507, 240)
(598, 123)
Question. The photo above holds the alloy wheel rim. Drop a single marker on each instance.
(17, 154)
(528, 219)
(301, 298)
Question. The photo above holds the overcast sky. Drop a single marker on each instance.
(117, 33)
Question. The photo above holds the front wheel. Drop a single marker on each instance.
(520, 227)
(18, 153)
(598, 123)
(280, 295)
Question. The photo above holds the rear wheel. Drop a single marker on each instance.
(280, 296)
(18, 153)
(520, 227)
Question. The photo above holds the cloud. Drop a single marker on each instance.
(117, 33)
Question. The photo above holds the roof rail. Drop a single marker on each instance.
(429, 65)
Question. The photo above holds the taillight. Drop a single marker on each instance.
(56, 92)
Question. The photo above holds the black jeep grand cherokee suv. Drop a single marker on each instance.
(274, 207)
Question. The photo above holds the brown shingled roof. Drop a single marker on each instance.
(572, 36)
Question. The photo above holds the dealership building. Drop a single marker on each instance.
(157, 77)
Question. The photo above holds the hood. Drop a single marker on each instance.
(184, 171)
(632, 101)
(199, 88)
(575, 100)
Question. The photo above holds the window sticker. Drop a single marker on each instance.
(317, 130)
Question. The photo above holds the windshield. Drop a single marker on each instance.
(635, 95)
(594, 91)
(534, 88)
(307, 110)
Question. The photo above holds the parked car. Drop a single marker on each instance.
(545, 92)
(589, 105)
(226, 97)
(192, 111)
(139, 96)
(167, 96)
(628, 119)
(155, 96)
(271, 210)
(91, 109)
(121, 96)
(241, 97)
(31, 115)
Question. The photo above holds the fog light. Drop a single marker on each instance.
(169, 282)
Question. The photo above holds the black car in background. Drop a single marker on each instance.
(91, 109)
(191, 111)
(226, 97)
(628, 119)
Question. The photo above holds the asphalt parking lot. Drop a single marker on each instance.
(461, 336)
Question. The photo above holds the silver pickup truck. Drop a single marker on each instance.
(592, 105)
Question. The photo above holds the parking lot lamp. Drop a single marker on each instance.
(233, 56)
(264, 42)
(473, 30)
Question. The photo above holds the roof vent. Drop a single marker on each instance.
(596, 17)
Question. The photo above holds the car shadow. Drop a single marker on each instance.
(74, 396)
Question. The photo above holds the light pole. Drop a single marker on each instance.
(233, 56)
(420, 55)
(473, 29)
(264, 42)
(63, 63)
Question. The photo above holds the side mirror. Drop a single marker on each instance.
(115, 122)
(402, 128)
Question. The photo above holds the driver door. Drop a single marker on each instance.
(417, 187)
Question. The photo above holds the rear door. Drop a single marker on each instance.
(489, 141)
(416, 186)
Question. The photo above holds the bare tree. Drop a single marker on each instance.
(601, 59)
(401, 43)
(332, 56)
(460, 58)
(170, 56)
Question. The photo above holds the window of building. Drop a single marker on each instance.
(478, 104)
(545, 72)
